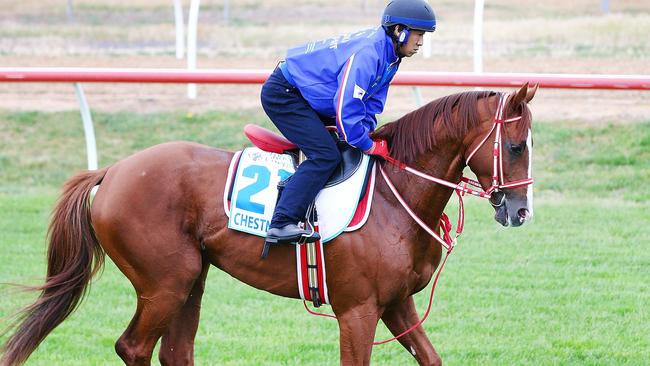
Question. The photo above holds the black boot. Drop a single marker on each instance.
(286, 235)
(291, 234)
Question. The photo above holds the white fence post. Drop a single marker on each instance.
(426, 51)
(192, 25)
(418, 96)
(89, 130)
(478, 35)
(70, 11)
(604, 6)
(180, 33)
(226, 11)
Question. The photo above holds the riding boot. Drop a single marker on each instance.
(291, 233)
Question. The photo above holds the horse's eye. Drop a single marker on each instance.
(517, 150)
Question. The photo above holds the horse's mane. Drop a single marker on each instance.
(413, 133)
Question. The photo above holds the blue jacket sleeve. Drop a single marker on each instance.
(375, 104)
(353, 119)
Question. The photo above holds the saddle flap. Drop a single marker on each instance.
(267, 140)
(351, 159)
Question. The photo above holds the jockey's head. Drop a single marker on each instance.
(406, 21)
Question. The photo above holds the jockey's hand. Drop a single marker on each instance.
(379, 148)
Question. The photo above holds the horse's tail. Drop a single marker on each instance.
(74, 256)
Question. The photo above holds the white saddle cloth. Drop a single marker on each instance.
(251, 192)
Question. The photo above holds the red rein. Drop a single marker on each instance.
(446, 241)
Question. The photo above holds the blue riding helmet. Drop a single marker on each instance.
(414, 14)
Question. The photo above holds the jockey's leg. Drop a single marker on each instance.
(299, 123)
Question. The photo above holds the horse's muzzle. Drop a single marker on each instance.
(510, 210)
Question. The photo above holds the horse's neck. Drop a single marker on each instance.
(428, 199)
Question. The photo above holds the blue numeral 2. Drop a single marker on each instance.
(262, 177)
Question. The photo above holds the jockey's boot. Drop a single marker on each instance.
(291, 233)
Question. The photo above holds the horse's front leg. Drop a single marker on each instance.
(401, 317)
(357, 327)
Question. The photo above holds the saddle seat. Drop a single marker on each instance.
(267, 140)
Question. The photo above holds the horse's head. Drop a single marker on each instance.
(490, 131)
(499, 151)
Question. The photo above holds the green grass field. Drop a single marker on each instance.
(568, 289)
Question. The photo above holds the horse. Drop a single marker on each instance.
(159, 216)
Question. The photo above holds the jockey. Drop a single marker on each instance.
(340, 81)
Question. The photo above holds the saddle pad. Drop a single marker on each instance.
(254, 190)
(251, 192)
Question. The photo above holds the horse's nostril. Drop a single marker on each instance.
(523, 213)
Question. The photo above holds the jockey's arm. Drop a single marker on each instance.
(354, 117)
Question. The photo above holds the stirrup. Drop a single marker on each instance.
(267, 245)
(310, 219)
(304, 239)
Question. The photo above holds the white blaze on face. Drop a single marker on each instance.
(529, 192)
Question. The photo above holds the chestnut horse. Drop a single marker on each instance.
(159, 216)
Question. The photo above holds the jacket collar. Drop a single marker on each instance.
(391, 56)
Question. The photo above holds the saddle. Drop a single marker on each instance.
(351, 157)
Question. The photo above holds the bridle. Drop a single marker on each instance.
(498, 182)
(461, 188)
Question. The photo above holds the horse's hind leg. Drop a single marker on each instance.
(177, 346)
(401, 317)
(163, 284)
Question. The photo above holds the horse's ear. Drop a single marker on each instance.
(520, 95)
(531, 92)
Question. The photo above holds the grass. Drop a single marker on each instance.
(567, 289)
(49, 147)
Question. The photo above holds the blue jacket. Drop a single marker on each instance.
(346, 77)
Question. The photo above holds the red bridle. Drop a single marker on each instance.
(498, 182)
